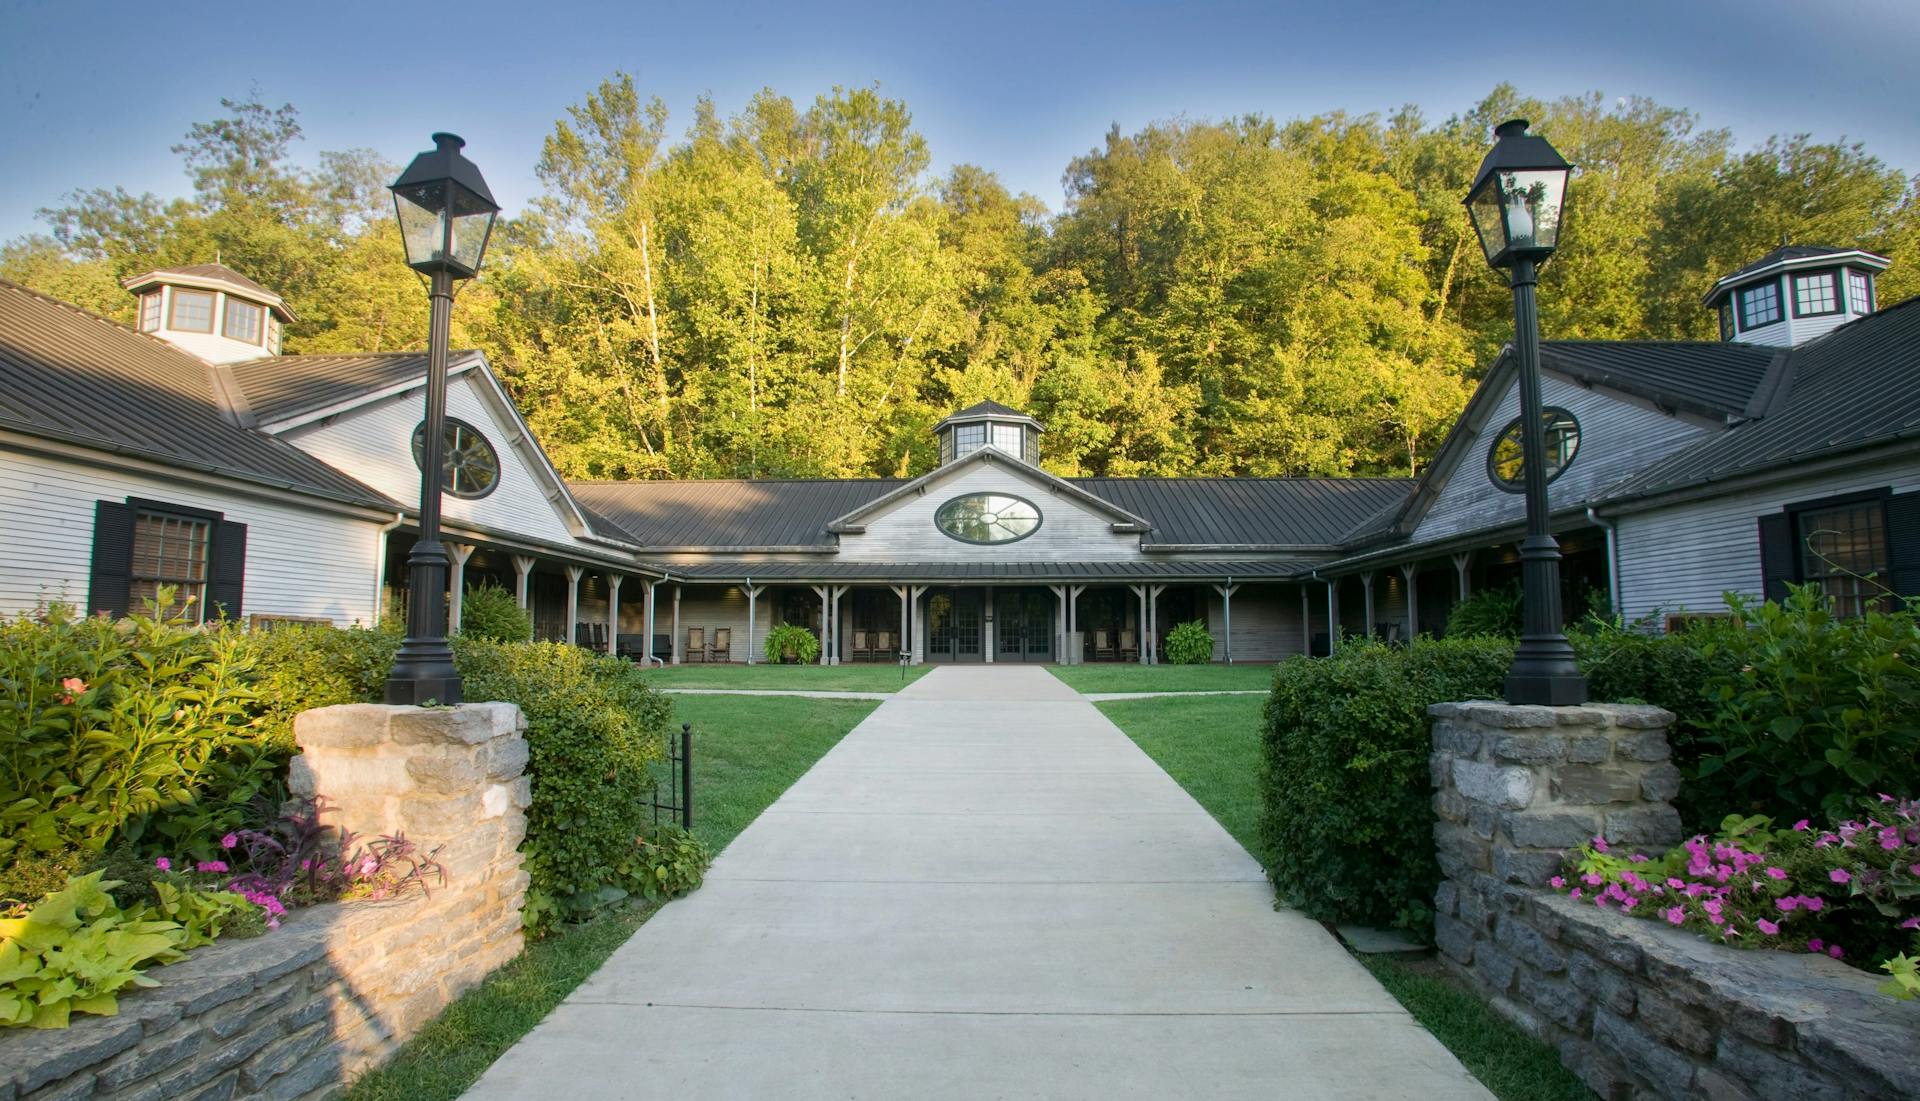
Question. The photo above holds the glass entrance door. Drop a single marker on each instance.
(1023, 625)
(953, 625)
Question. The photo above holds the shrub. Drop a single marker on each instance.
(1489, 613)
(594, 728)
(492, 613)
(300, 666)
(791, 640)
(140, 729)
(1348, 806)
(1806, 709)
(1190, 644)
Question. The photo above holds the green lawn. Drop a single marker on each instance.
(1211, 745)
(747, 750)
(794, 678)
(1129, 677)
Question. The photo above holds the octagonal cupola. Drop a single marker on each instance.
(1795, 294)
(989, 424)
(210, 311)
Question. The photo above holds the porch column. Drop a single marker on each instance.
(1226, 600)
(1152, 641)
(919, 621)
(522, 572)
(753, 617)
(675, 640)
(650, 588)
(458, 553)
(826, 624)
(1366, 587)
(1306, 623)
(1059, 621)
(1411, 571)
(839, 593)
(1333, 619)
(987, 627)
(905, 594)
(1140, 591)
(574, 573)
(613, 611)
(1463, 565)
(1073, 616)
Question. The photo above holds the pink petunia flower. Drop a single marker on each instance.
(1840, 875)
(229, 841)
(1834, 951)
(1574, 894)
(1776, 873)
(163, 863)
(1801, 826)
(1599, 844)
(211, 866)
(1674, 915)
(1767, 927)
(1787, 903)
(1813, 903)
(1816, 945)
(1558, 881)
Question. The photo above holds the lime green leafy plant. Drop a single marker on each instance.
(1189, 644)
(790, 640)
(75, 951)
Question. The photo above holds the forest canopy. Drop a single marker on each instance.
(791, 292)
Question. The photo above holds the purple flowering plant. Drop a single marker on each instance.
(1850, 891)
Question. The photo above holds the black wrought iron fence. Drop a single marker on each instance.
(676, 777)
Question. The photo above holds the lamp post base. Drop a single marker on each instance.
(429, 691)
(1544, 673)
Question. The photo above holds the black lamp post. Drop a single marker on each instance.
(446, 214)
(1515, 205)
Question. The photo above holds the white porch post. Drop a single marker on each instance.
(675, 640)
(839, 593)
(613, 611)
(1140, 592)
(1333, 620)
(986, 626)
(905, 594)
(1366, 587)
(826, 624)
(522, 573)
(1152, 641)
(574, 573)
(753, 616)
(1226, 600)
(1462, 565)
(458, 553)
(1059, 620)
(1073, 616)
(1411, 571)
(919, 624)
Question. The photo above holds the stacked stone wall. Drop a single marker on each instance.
(297, 1012)
(1635, 1008)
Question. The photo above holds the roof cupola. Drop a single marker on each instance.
(210, 311)
(1795, 294)
(989, 424)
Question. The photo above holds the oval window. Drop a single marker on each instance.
(987, 518)
(1506, 464)
(469, 467)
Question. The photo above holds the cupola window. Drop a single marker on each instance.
(243, 321)
(149, 311)
(192, 311)
(968, 438)
(1759, 306)
(1726, 321)
(1006, 437)
(1859, 292)
(1815, 294)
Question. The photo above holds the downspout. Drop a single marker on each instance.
(1226, 600)
(1613, 560)
(1333, 621)
(380, 561)
(653, 604)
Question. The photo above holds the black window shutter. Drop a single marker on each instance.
(1903, 543)
(111, 580)
(227, 569)
(1778, 558)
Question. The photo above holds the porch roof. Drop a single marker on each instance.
(904, 572)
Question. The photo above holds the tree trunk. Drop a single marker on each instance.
(653, 339)
(846, 316)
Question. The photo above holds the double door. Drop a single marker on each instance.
(955, 623)
(1023, 625)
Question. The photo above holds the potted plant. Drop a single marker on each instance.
(791, 643)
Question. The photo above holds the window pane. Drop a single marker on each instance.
(1760, 306)
(170, 551)
(1844, 552)
(149, 311)
(1813, 293)
(968, 438)
(1006, 437)
(192, 311)
(1726, 321)
(1859, 293)
(243, 321)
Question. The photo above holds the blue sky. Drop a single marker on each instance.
(95, 93)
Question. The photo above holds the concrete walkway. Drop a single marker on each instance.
(812, 694)
(984, 891)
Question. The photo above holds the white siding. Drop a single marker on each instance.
(711, 607)
(375, 445)
(1069, 531)
(1685, 557)
(299, 562)
(1617, 438)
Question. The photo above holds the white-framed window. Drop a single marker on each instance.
(243, 321)
(170, 550)
(1759, 306)
(1815, 294)
(192, 311)
(968, 438)
(1726, 321)
(1006, 437)
(1859, 292)
(150, 311)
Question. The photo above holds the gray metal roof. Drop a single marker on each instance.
(1852, 389)
(69, 375)
(1292, 512)
(278, 387)
(729, 513)
(1710, 377)
(829, 569)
